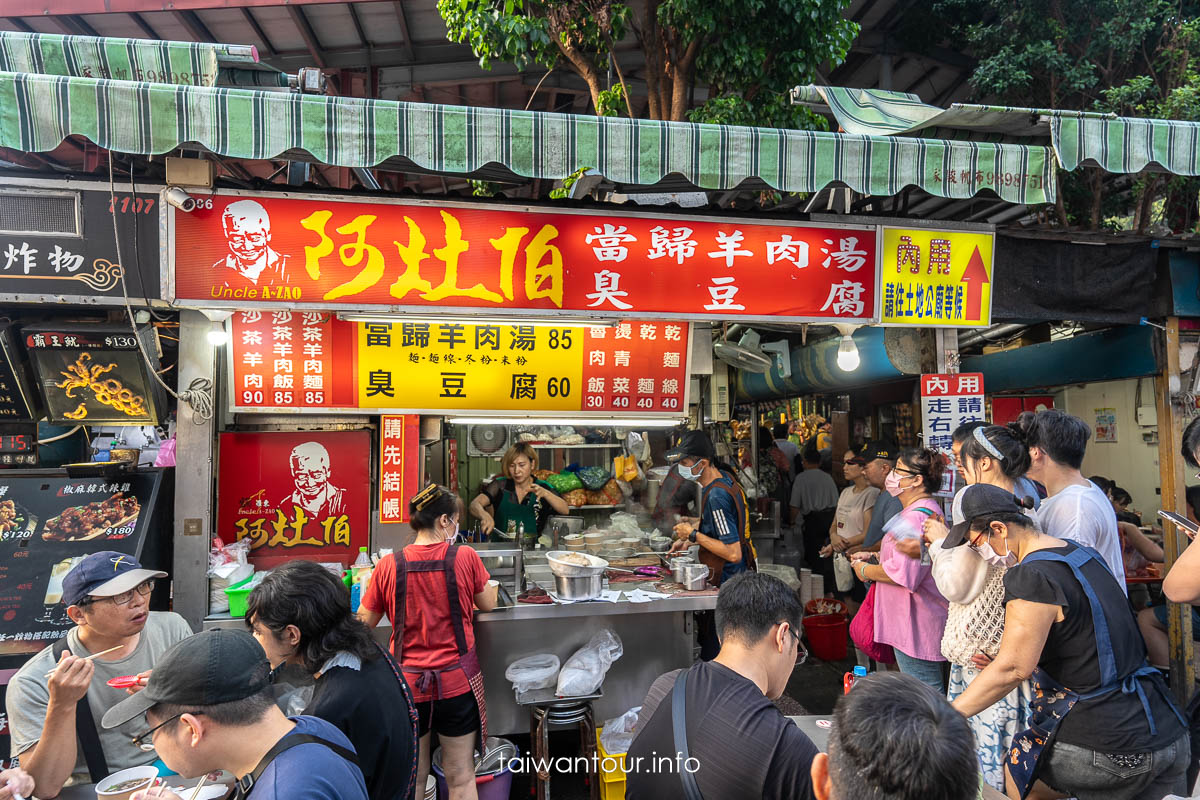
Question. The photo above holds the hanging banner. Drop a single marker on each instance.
(433, 368)
(295, 495)
(238, 250)
(936, 278)
(948, 401)
(399, 465)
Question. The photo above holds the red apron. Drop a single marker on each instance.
(427, 680)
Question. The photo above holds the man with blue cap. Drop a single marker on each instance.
(57, 698)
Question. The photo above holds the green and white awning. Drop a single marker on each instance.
(1119, 145)
(38, 111)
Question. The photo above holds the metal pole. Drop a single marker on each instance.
(193, 473)
(1170, 428)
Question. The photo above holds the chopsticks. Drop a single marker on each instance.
(196, 792)
(89, 658)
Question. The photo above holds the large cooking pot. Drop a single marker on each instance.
(583, 587)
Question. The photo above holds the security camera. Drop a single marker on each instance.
(180, 199)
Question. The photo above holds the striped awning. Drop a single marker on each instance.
(1127, 145)
(149, 60)
(38, 111)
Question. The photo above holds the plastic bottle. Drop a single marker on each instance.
(363, 560)
(850, 677)
(355, 597)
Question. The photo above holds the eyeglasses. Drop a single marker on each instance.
(905, 471)
(145, 742)
(124, 598)
(801, 650)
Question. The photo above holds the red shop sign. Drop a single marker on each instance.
(399, 464)
(248, 251)
(296, 495)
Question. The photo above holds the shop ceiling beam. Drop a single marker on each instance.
(308, 35)
(20, 24)
(44, 8)
(268, 48)
(402, 19)
(78, 26)
(362, 33)
(143, 25)
(195, 26)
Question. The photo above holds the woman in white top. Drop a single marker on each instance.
(849, 528)
(975, 588)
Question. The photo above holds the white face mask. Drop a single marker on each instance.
(691, 473)
(988, 554)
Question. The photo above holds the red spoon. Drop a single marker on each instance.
(125, 681)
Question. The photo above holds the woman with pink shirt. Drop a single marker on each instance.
(910, 612)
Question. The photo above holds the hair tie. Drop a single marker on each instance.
(987, 445)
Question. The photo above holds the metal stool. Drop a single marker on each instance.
(546, 711)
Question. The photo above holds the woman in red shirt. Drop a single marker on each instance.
(429, 591)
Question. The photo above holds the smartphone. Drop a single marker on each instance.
(1181, 522)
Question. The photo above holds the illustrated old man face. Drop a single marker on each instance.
(310, 469)
(247, 231)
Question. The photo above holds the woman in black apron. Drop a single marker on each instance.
(517, 497)
(1103, 725)
(429, 591)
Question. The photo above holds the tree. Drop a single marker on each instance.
(748, 53)
(1130, 57)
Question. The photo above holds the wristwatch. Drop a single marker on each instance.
(692, 537)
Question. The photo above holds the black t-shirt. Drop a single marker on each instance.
(1113, 723)
(744, 746)
(371, 708)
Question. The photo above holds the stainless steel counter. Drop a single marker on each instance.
(597, 609)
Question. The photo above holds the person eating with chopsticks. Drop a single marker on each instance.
(57, 698)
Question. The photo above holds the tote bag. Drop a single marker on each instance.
(862, 631)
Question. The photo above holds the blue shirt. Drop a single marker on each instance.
(312, 771)
(719, 519)
(886, 507)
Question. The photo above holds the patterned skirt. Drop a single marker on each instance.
(994, 727)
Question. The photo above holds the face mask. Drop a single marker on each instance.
(892, 484)
(691, 473)
(988, 554)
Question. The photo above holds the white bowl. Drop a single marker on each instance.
(144, 775)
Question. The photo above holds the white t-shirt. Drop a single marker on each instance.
(1084, 515)
(851, 510)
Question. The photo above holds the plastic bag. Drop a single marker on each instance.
(564, 482)
(585, 669)
(843, 573)
(533, 672)
(626, 524)
(618, 733)
(593, 478)
(226, 566)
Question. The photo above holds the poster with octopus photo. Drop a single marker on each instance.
(96, 374)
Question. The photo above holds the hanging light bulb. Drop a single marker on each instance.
(847, 354)
(217, 337)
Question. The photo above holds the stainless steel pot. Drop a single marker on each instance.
(677, 565)
(695, 576)
(585, 587)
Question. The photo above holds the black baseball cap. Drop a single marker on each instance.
(216, 666)
(874, 450)
(104, 574)
(980, 500)
(693, 444)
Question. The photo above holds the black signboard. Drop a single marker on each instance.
(78, 261)
(48, 523)
(94, 374)
(18, 401)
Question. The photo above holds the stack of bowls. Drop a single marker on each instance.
(594, 542)
(574, 542)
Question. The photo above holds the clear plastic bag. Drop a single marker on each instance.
(618, 733)
(843, 572)
(585, 669)
(533, 672)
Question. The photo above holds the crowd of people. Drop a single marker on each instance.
(1011, 655)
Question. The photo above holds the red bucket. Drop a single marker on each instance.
(827, 636)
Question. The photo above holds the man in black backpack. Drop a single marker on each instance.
(210, 707)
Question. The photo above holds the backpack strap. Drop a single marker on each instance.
(691, 791)
(85, 727)
(245, 784)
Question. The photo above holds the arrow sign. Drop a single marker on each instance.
(975, 273)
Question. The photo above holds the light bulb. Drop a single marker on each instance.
(847, 354)
(217, 337)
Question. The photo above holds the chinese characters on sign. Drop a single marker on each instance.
(638, 366)
(948, 401)
(936, 278)
(285, 359)
(326, 253)
(399, 465)
(295, 495)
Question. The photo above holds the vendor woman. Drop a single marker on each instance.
(517, 497)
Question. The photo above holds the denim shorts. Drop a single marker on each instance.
(1092, 775)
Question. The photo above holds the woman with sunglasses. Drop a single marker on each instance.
(973, 583)
(850, 523)
(1103, 724)
(910, 612)
(429, 591)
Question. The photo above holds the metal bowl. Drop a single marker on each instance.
(694, 576)
(586, 587)
(677, 566)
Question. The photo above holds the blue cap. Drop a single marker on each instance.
(104, 574)
(860, 672)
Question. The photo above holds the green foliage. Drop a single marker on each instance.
(564, 192)
(611, 102)
(483, 188)
(771, 111)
